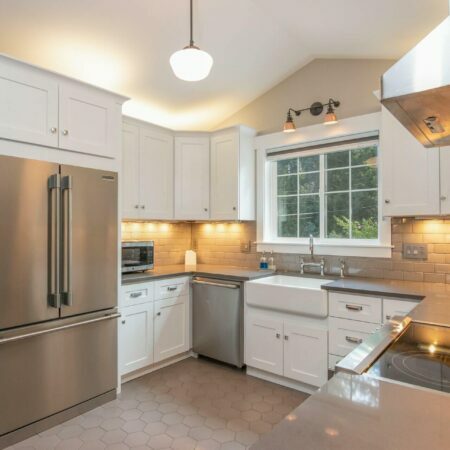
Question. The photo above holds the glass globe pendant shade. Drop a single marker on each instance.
(191, 63)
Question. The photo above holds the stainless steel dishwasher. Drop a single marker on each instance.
(218, 320)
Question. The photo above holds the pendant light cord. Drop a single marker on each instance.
(191, 43)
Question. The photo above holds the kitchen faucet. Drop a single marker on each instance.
(320, 265)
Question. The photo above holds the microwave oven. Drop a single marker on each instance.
(137, 256)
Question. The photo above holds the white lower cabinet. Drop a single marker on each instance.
(288, 348)
(171, 332)
(136, 337)
(305, 351)
(264, 344)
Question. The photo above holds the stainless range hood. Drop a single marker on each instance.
(417, 88)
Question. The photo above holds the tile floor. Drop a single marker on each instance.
(194, 404)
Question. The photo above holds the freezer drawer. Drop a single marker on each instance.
(218, 320)
(50, 367)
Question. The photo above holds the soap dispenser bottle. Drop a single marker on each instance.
(263, 264)
(271, 261)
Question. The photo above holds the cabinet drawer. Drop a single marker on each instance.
(394, 307)
(355, 307)
(171, 287)
(345, 335)
(135, 294)
(333, 360)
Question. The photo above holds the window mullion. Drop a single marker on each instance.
(322, 195)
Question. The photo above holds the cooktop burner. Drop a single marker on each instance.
(420, 356)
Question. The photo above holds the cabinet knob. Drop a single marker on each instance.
(388, 317)
(158, 313)
(142, 206)
(443, 198)
(278, 335)
(286, 337)
(136, 206)
(387, 201)
(123, 322)
(234, 208)
(53, 130)
(206, 209)
(65, 132)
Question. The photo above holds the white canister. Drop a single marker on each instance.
(190, 259)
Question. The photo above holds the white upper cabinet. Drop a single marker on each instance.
(130, 172)
(147, 172)
(86, 118)
(409, 172)
(43, 108)
(28, 105)
(192, 178)
(233, 175)
(445, 180)
(156, 174)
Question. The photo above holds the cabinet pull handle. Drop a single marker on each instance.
(443, 198)
(135, 294)
(388, 317)
(286, 337)
(172, 288)
(278, 335)
(354, 307)
(353, 340)
(387, 201)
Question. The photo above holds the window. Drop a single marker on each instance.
(330, 194)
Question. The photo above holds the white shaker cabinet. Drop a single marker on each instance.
(28, 105)
(135, 337)
(233, 174)
(409, 171)
(192, 178)
(445, 180)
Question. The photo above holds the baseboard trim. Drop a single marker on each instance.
(277, 379)
(149, 369)
(49, 422)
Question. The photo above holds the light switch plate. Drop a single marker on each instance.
(415, 251)
(246, 246)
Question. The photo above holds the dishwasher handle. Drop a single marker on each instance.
(210, 283)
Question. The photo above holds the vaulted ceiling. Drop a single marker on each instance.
(125, 45)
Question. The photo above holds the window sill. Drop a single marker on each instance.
(359, 249)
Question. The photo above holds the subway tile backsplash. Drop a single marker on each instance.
(221, 244)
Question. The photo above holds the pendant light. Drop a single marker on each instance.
(191, 63)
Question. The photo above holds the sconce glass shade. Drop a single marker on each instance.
(191, 63)
(330, 118)
(289, 125)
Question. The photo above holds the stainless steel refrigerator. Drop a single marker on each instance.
(58, 293)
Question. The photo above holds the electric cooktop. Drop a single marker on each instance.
(419, 356)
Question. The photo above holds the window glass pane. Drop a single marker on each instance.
(309, 183)
(287, 226)
(364, 156)
(309, 224)
(309, 163)
(337, 180)
(287, 185)
(365, 215)
(337, 159)
(287, 205)
(365, 177)
(309, 204)
(338, 222)
(287, 166)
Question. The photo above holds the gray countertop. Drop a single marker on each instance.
(224, 272)
(360, 412)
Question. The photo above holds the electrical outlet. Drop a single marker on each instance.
(415, 251)
(194, 244)
(246, 246)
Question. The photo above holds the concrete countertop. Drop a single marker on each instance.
(223, 272)
(360, 412)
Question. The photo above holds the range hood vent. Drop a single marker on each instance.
(417, 88)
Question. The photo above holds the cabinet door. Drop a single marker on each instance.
(305, 354)
(136, 337)
(171, 327)
(28, 105)
(445, 179)
(394, 307)
(225, 176)
(129, 181)
(192, 178)
(410, 172)
(264, 344)
(86, 121)
(156, 175)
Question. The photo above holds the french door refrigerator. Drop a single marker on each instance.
(58, 292)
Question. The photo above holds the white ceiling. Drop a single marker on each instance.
(125, 45)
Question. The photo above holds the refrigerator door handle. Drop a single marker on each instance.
(62, 327)
(66, 187)
(54, 224)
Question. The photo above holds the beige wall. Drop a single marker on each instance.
(352, 81)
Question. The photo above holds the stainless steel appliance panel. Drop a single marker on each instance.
(89, 240)
(26, 207)
(49, 367)
(218, 320)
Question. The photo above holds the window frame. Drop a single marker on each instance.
(267, 219)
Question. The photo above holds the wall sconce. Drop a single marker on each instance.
(315, 109)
